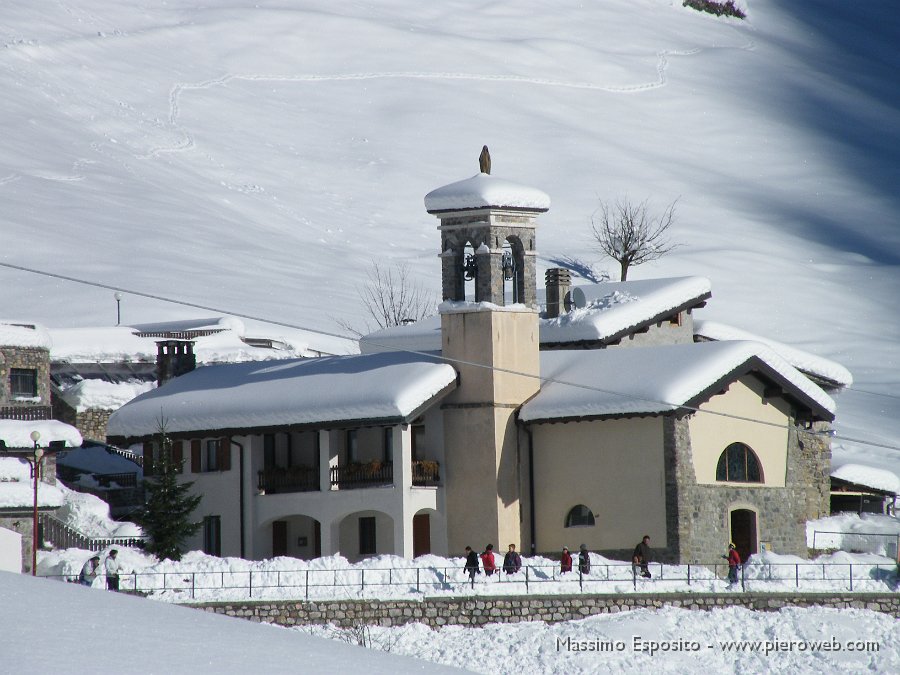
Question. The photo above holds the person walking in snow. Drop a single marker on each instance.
(734, 563)
(565, 561)
(90, 571)
(584, 560)
(471, 564)
(641, 557)
(112, 568)
(487, 560)
(512, 561)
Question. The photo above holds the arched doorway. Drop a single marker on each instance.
(295, 536)
(743, 532)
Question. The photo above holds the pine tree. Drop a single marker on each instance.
(168, 505)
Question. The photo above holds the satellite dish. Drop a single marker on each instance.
(575, 299)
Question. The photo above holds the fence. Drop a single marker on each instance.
(63, 536)
(879, 543)
(350, 583)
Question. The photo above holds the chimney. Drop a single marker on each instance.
(174, 358)
(558, 281)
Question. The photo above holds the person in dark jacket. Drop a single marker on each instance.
(641, 557)
(512, 561)
(471, 564)
(565, 561)
(487, 560)
(734, 564)
(584, 560)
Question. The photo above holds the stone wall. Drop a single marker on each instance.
(29, 358)
(21, 522)
(698, 515)
(92, 423)
(436, 612)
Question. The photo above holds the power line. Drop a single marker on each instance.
(317, 331)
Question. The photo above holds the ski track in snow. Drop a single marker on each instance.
(187, 142)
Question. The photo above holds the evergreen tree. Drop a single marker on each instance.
(168, 505)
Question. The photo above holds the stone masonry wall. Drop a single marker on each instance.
(92, 423)
(31, 358)
(698, 515)
(436, 612)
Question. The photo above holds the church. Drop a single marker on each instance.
(542, 418)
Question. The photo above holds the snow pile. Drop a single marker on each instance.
(692, 642)
(82, 622)
(89, 515)
(17, 433)
(871, 533)
(801, 360)
(104, 395)
(17, 487)
(484, 190)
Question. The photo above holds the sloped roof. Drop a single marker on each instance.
(24, 334)
(17, 433)
(484, 190)
(657, 380)
(830, 372)
(387, 387)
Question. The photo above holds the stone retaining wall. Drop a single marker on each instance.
(436, 612)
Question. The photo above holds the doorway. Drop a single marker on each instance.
(421, 535)
(279, 538)
(743, 532)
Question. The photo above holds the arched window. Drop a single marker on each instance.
(580, 516)
(739, 464)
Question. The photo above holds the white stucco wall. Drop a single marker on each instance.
(10, 551)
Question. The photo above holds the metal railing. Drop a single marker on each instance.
(123, 480)
(350, 583)
(62, 535)
(293, 479)
(426, 473)
(362, 475)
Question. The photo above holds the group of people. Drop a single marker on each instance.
(91, 570)
(640, 561)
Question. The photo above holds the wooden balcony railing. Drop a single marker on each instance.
(25, 413)
(425, 473)
(358, 475)
(292, 479)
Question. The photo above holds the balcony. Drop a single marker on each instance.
(356, 475)
(293, 479)
(25, 413)
(425, 473)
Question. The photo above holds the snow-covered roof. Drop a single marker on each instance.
(95, 458)
(484, 190)
(17, 487)
(609, 311)
(120, 343)
(23, 334)
(183, 325)
(103, 395)
(655, 380)
(816, 366)
(612, 309)
(17, 433)
(390, 386)
(860, 474)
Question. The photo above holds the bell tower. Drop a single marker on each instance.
(487, 230)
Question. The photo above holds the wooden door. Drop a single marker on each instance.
(279, 538)
(421, 534)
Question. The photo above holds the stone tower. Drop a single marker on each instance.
(487, 230)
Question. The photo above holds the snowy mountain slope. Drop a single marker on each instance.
(257, 158)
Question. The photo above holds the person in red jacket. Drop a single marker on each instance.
(734, 563)
(487, 560)
(565, 561)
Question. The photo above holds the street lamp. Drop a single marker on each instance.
(36, 474)
(118, 296)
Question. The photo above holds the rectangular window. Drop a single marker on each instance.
(352, 446)
(367, 535)
(388, 444)
(22, 382)
(212, 535)
(269, 451)
(418, 442)
(212, 455)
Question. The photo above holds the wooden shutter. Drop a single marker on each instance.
(178, 456)
(224, 454)
(196, 465)
(148, 458)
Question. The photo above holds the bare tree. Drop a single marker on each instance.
(629, 234)
(391, 298)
